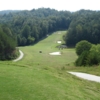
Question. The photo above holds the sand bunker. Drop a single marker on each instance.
(59, 32)
(59, 42)
(55, 53)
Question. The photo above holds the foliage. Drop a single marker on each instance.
(7, 45)
(85, 25)
(35, 24)
(82, 59)
(29, 27)
(88, 56)
(82, 46)
(94, 55)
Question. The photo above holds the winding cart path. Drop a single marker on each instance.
(20, 57)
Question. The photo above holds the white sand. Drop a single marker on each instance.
(55, 53)
(20, 57)
(86, 76)
(59, 32)
(59, 42)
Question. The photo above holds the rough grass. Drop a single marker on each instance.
(40, 76)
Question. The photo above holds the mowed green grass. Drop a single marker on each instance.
(44, 59)
(40, 76)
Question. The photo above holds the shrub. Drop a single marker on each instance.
(82, 59)
(82, 46)
(94, 55)
(91, 57)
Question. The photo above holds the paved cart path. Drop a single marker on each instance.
(86, 76)
(20, 57)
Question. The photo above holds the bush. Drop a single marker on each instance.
(91, 57)
(82, 59)
(94, 55)
(82, 46)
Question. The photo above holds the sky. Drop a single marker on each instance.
(69, 5)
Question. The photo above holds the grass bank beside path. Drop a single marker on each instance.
(40, 76)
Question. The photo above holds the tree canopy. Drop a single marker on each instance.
(85, 25)
(88, 54)
(35, 24)
(82, 46)
(7, 44)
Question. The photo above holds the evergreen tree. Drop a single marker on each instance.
(7, 46)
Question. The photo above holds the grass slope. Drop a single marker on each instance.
(40, 76)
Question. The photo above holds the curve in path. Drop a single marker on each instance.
(86, 76)
(20, 57)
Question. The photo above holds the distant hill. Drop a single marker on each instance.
(8, 11)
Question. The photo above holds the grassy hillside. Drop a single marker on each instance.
(40, 76)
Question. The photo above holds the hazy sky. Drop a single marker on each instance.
(70, 5)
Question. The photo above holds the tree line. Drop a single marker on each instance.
(84, 26)
(28, 27)
(31, 26)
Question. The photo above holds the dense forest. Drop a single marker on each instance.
(31, 26)
(85, 25)
(28, 27)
